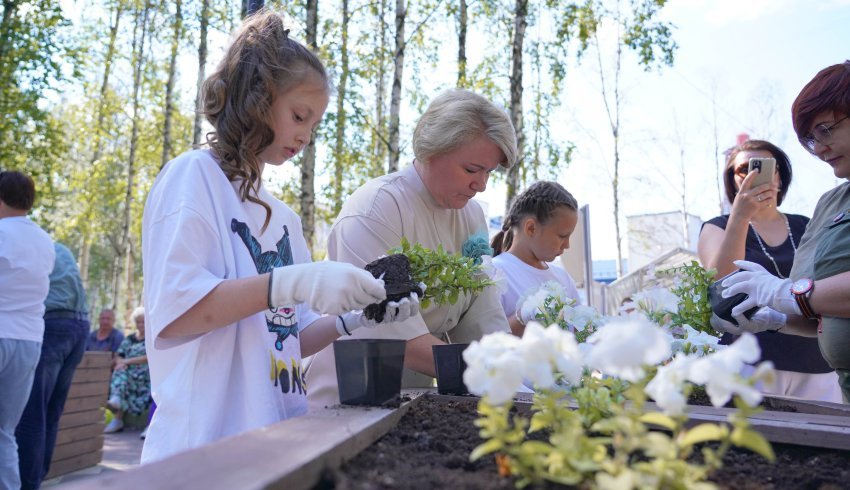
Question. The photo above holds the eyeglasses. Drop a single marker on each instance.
(821, 134)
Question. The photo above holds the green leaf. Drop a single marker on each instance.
(753, 441)
(488, 447)
(658, 418)
(703, 433)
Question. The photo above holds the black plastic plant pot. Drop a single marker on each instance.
(449, 364)
(368, 371)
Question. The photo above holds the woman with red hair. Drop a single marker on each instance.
(816, 296)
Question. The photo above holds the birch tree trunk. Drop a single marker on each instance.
(307, 196)
(138, 65)
(378, 135)
(461, 44)
(202, 64)
(85, 249)
(520, 23)
(169, 87)
(339, 150)
(395, 98)
(613, 110)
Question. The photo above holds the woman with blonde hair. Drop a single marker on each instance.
(458, 142)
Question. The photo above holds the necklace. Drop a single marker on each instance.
(764, 249)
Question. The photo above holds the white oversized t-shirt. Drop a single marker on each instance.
(372, 221)
(197, 232)
(523, 279)
(26, 260)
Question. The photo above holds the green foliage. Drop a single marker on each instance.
(600, 435)
(38, 53)
(692, 291)
(446, 275)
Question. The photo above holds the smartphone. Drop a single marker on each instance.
(765, 168)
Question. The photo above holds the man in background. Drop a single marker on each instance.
(106, 337)
(26, 259)
(66, 326)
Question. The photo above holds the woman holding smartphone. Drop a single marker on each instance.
(755, 230)
(816, 296)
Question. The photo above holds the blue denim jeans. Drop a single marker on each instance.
(18, 359)
(63, 348)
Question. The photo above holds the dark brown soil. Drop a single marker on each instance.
(430, 450)
(700, 398)
(395, 271)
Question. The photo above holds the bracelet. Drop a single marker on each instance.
(271, 276)
(343, 325)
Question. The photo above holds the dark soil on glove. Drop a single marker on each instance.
(430, 448)
(397, 282)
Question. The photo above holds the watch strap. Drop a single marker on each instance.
(802, 300)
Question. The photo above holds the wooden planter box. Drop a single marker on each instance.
(292, 454)
(79, 443)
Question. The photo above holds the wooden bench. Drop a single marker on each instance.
(79, 443)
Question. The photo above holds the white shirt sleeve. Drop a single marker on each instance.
(183, 263)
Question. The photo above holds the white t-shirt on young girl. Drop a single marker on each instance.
(196, 232)
(524, 279)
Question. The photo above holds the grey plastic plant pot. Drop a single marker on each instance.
(449, 365)
(368, 371)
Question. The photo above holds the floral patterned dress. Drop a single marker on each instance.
(133, 384)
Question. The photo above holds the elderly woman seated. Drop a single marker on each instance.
(130, 389)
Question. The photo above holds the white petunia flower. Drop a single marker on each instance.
(720, 372)
(580, 317)
(622, 347)
(534, 301)
(547, 351)
(656, 299)
(700, 342)
(494, 367)
(666, 388)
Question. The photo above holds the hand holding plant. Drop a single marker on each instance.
(445, 275)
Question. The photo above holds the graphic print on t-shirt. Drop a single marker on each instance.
(281, 320)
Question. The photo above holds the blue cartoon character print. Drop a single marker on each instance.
(281, 320)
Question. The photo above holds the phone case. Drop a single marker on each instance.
(767, 168)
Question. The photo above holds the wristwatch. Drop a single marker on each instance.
(802, 291)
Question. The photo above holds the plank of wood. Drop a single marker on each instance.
(79, 433)
(290, 454)
(782, 431)
(91, 375)
(59, 468)
(84, 404)
(80, 418)
(810, 406)
(98, 388)
(94, 359)
(77, 448)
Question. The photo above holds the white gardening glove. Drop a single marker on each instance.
(762, 289)
(396, 311)
(326, 287)
(763, 320)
